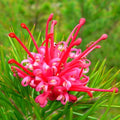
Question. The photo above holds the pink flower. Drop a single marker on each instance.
(42, 99)
(56, 68)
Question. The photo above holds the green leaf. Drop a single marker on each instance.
(116, 118)
(36, 109)
(29, 39)
(15, 53)
(3, 114)
(109, 105)
(69, 114)
(94, 106)
(38, 40)
(79, 114)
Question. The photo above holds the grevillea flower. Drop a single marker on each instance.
(56, 68)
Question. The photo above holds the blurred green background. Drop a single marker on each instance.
(101, 17)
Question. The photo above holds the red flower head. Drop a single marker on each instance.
(58, 68)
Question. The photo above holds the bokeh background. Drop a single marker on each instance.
(101, 17)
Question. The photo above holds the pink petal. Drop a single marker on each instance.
(66, 99)
(26, 81)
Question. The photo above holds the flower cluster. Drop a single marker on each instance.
(56, 68)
